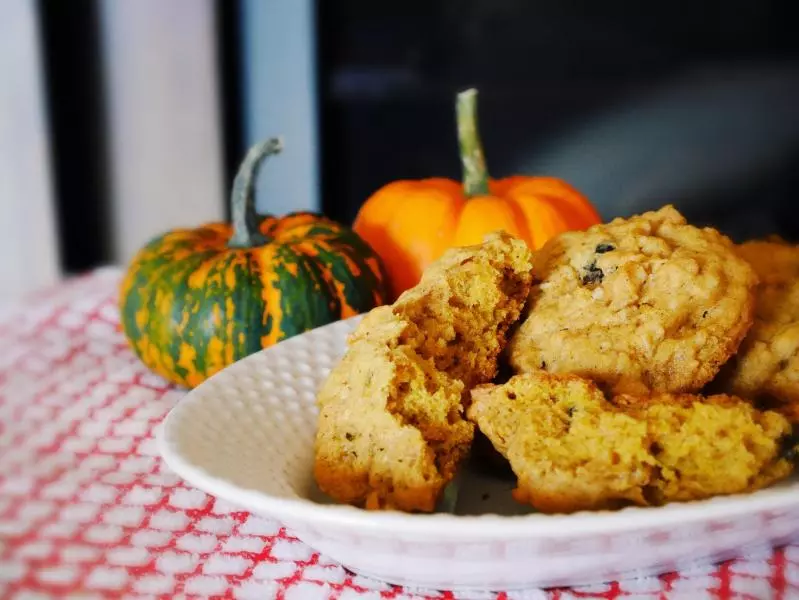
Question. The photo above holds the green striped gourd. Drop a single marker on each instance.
(193, 301)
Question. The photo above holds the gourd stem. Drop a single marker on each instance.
(246, 233)
(475, 172)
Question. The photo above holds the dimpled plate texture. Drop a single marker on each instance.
(246, 436)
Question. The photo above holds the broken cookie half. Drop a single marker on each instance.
(392, 429)
(572, 449)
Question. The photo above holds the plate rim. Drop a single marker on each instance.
(445, 526)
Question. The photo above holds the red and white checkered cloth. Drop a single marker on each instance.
(88, 509)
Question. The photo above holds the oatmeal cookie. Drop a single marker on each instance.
(571, 449)
(647, 303)
(767, 363)
(391, 430)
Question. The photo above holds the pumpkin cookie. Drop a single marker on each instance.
(638, 304)
(391, 430)
(767, 364)
(571, 449)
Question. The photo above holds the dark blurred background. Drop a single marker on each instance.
(636, 103)
(148, 106)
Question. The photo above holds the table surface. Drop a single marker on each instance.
(89, 510)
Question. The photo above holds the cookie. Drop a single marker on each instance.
(767, 363)
(647, 303)
(571, 449)
(391, 431)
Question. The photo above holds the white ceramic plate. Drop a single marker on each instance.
(246, 436)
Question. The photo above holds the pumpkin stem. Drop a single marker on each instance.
(475, 172)
(246, 232)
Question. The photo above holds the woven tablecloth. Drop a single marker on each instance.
(89, 510)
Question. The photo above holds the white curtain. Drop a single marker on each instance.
(28, 243)
(164, 120)
(164, 125)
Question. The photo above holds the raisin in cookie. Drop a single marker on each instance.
(571, 449)
(644, 303)
(391, 430)
(767, 363)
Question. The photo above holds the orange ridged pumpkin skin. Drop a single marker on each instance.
(409, 223)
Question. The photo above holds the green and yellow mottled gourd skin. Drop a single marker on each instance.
(192, 305)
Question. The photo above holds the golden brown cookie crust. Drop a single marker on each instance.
(638, 304)
(767, 363)
(391, 430)
(572, 449)
(385, 415)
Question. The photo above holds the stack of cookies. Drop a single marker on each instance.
(392, 430)
(653, 361)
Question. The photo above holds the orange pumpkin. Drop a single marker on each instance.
(410, 223)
